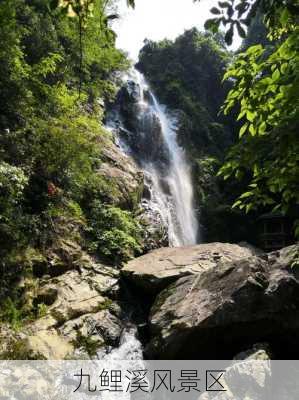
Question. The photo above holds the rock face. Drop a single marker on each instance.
(142, 131)
(79, 315)
(153, 272)
(224, 310)
(122, 174)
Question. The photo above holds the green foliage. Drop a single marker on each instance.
(77, 136)
(42, 310)
(13, 182)
(186, 74)
(257, 33)
(238, 15)
(87, 343)
(51, 140)
(115, 234)
(266, 90)
(219, 221)
(40, 56)
(11, 314)
(265, 80)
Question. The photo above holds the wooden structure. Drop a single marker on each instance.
(275, 231)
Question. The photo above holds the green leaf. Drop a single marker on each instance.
(215, 11)
(285, 16)
(250, 116)
(246, 195)
(252, 130)
(255, 49)
(212, 24)
(237, 204)
(243, 130)
(276, 75)
(262, 128)
(284, 68)
(249, 207)
(241, 115)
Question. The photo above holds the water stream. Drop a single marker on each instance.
(145, 131)
(154, 146)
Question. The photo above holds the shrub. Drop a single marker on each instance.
(13, 181)
(116, 235)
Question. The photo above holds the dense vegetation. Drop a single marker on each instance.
(59, 67)
(261, 168)
(265, 92)
(55, 78)
(187, 76)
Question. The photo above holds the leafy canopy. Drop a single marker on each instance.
(265, 90)
(236, 16)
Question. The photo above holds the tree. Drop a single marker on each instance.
(49, 139)
(238, 15)
(266, 87)
(186, 74)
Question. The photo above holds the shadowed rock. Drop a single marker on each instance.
(216, 313)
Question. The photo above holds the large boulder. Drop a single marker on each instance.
(224, 310)
(154, 271)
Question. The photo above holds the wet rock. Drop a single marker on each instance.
(153, 272)
(100, 328)
(216, 313)
(141, 130)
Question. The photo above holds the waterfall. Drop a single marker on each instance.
(144, 130)
(182, 221)
(150, 137)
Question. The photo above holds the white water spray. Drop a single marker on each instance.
(172, 191)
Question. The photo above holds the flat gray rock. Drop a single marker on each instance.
(154, 271)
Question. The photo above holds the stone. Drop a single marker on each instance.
(47, 345)
(259, 351)
(101, 327)
(154, 271)
(123, 175)
(75, 297)
(215, 314)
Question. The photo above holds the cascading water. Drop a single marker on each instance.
(145, 131)
(182, 222)
(151, 139)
